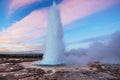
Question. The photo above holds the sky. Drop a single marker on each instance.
(23, 23)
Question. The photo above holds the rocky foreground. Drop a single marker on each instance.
(21, 69)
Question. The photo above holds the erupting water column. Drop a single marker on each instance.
(54, 47)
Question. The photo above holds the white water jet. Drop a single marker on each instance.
(54, 47)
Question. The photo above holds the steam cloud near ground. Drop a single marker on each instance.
(97, 52)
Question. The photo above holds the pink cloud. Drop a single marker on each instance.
(76, 9)
(29, 28)
(35, 47)
(34, 25)
(15, 4)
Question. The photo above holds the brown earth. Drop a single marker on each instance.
(22, 69)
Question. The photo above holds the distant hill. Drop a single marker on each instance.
(21, 55)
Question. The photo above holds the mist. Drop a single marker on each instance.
(98, 51)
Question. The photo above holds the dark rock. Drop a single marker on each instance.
(2, 78)
(97, 67)
(16, 67)
(49, 71)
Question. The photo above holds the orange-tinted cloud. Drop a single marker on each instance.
(10, 42)
(3, 50)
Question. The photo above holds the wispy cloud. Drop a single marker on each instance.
(75, 9)
(98, 38)
(33, 26)
(29, 28)
(16, 4)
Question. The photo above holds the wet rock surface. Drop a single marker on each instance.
(12, 69)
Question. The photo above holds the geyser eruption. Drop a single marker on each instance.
(54, 47)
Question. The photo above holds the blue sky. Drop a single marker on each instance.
(23, 23)
(100, 24)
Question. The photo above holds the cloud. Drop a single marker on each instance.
(4, 42)
(98, 38)
(70, 10)
(24, 31)
(98, 51)
(16, 4)
(12, 48)
(3, 50)
(76, 9)
(33, 26)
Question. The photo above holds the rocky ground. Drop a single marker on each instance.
(22, 69)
